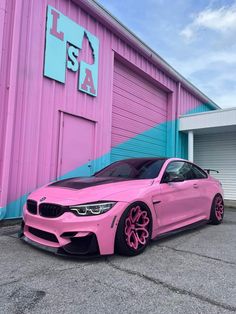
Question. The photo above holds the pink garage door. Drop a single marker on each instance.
(139, 116)
(76, 146)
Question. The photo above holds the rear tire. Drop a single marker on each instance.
(217, 210)
(134, 230)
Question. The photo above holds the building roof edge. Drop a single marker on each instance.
(111, 22)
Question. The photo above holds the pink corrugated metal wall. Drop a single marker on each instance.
(6, 18)
(138, 106)
(33, 146)
(187, 102)
(38, 101)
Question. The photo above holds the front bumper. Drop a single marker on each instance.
(71, 235)
(58, 251)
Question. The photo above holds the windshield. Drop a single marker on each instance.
(133, 169)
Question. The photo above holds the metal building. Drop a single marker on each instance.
(78, 90)
(212, 144)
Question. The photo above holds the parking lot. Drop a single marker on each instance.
(193, 272)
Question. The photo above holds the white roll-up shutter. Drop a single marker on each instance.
(218, 151)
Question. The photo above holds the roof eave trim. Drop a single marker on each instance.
(117, 27)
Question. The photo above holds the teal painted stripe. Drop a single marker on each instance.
(201, 108)
(128, 149)
(182, 138)
(139, 147)
(14, 208)
(158, 143)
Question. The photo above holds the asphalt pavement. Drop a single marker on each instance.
(192, 272)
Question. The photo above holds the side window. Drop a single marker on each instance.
(179, 168)
(173, 169)
(188, 172)
(198, 173)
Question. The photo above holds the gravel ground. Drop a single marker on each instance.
(193, 272)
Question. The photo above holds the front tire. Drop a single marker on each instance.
(217, 210)
(134, 230)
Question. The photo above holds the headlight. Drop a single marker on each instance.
(92, 209)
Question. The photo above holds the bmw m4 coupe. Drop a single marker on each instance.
(122, 207)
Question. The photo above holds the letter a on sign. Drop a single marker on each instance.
(88, 76)
(88, 85)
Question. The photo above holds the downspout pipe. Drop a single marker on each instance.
(177, 135)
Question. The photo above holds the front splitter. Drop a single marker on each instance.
(57, 251)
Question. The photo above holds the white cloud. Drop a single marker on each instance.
(210, 61)
(192, 65)
(226, 100)
(220, 20)
(188, 32)
(213, 73)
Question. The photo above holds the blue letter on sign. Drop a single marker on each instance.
(61, 31)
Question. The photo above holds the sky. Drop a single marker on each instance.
(196, 37)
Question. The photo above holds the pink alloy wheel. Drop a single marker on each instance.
(219, 208)
(136, 227)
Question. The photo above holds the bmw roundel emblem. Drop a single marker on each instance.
(42, 199)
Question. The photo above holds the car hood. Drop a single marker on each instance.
(90, 189)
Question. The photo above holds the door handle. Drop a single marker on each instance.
(195, 186)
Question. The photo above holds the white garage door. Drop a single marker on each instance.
(139, 116)
(218, 151)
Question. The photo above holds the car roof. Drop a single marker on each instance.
(155, 158)
(144, 158)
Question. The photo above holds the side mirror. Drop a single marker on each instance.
(173, 177)
(176, 178)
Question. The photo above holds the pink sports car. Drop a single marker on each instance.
(122, 207)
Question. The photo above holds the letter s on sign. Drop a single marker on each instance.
(72, 63)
